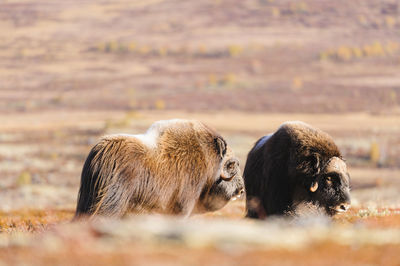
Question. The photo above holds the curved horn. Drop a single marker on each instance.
(314, 186)
(228, 172)
(225, 178)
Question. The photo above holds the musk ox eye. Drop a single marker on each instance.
(329, 181)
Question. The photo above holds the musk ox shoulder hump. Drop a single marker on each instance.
(150, 138)
(295, 126)
(307, 136)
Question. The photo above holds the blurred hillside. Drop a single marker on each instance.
(251, 55)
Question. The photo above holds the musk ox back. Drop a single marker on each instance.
(176, 167)
(297, 164)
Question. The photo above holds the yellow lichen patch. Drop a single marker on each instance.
(24, 178)
(235, 50)
(160, 104)
(32, 220)
(347, 53)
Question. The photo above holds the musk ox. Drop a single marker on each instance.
(295, 165)
(177, 167)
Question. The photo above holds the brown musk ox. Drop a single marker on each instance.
(177, 167)
(295, 165)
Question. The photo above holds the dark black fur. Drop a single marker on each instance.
(281, 168)
(88, 184)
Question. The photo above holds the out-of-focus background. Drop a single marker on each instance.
(72, 71)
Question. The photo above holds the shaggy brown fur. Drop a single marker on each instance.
(296, 164)
(167, 170)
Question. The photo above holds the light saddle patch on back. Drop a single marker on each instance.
(150, 138)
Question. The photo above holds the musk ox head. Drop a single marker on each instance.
(316, 160)
(228, 183)
(330, 188)
(296, 165)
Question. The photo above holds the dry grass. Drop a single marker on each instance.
(32, 221)
(360, 236)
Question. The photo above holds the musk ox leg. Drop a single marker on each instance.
(254, 208)
(102, 189)
(112, 201)
(115, 202)
(182, 203)
(184, 209)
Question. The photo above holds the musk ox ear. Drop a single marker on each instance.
(220, 145)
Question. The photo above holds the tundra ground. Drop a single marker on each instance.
(38, 196)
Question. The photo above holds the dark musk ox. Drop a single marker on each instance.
(178, 167)
(295, 165)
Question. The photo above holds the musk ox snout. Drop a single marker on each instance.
(231, 184)
(344, 204)
(238, 194)
(240, 191)
(343, 207)
(334, 182)
(224, 189)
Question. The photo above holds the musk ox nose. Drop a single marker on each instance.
(238, 194)
(343, 207)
